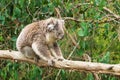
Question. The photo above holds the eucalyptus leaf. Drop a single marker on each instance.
(2, 17)
(17, 12)
(1, 38)
(81, 32)
(105, 58)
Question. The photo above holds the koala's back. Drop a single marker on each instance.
(27, 35)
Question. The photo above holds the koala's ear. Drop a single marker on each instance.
(62, 21)
(50, 27)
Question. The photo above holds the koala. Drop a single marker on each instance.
(38, 40)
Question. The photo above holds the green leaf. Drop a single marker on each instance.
(100, 3)
(6, 13)
(105, 58)
(21, 2)
(106, 26)
(16, 75)
(14, 38)
(17, 12)
(90, 77)
(63, 74)
(81, 52)
(1, 38)
(2, 17)
(85, 28)
(97, 2)
(81, 32)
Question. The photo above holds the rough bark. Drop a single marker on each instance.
(66, 64)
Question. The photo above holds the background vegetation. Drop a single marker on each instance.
(94, 29)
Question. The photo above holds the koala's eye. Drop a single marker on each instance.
(59, 33)
(48, 24)
(56, 25)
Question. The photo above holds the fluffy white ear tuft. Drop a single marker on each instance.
(50, 27)
(63, 21)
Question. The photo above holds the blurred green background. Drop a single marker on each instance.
(94, 29)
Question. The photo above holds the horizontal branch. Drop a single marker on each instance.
(66, 64)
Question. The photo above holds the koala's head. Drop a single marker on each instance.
(55, 28)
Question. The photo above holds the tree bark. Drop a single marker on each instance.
(66, 64)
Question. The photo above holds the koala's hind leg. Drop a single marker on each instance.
(29, 53)
(42, 51)
(56, 52)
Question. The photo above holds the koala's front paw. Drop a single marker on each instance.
(36, 58)
(51, 62)
(60, 59)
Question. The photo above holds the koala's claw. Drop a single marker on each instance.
(36, 58)
(60, 59)
(51, 62)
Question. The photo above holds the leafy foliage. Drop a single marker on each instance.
(96, 30)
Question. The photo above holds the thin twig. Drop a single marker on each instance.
(27, 9)
(73, 50)
(73, 19)
(81, 4)
(108, 10)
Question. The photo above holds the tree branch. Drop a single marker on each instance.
(108, 10)
(66, 64)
